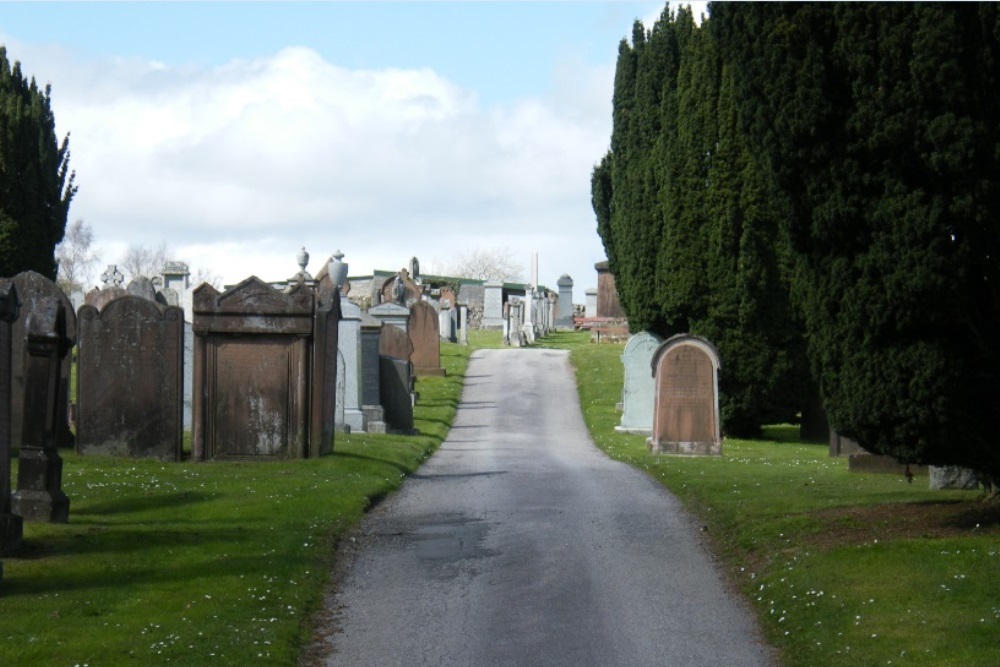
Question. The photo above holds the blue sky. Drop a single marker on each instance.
(237, 133)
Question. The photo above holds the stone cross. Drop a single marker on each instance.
(112, 276)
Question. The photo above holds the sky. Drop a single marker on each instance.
(237, 133)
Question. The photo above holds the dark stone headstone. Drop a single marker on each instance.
(686, 403)
(98, 298)
(142, 287)
(425, 334)
(31, 289)
(257, 396)
(129, 380)
(11, 525)
(39, 495)
(395, 382)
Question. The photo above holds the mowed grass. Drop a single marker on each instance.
(842, 569)
(201, 563)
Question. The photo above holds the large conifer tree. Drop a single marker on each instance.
(35, 184)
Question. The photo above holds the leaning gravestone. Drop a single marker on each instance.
(425, 334)
(11, 525)
(639, 386)
(39, 495)
(130, 380)
(686, 401)
(32, 288)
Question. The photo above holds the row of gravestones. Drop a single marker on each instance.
(527, 318)
(671, 394)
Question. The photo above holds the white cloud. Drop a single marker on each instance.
(237, 167)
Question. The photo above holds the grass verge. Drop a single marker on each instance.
(842, 569)
(201, 563)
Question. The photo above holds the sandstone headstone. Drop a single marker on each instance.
(98, 298)
(39, 495)
(639, 386)
(395, 343)
(32, 289)
(11, 525)
(686, 401)
(253, 381)
(424, 333)
(129, 380)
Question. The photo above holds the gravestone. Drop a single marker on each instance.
(33, 288)
(371, 400)
(325, 342)
(590, 303)
(11, 525)
(424, 334)
(686, 399)
(952, 477)
(400, 289)
(130, 394)
(492, 306)
(392, 313)
(257, 396)
(393, 342)
(639, 386)
(463, 324)
(143, 288)
(39, 495)
(396, 386)
(446, 323)
(351, 418)
(564, 318)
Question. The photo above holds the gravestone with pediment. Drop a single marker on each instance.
(265, 375)
(351, 418)
(392, 313)
(32, 288)
(639, 385)
(686, 399)
(11, 525)
(130, 393)
(426, 338)
(39, 495)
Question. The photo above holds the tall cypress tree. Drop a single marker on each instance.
(879, 122)
(36, 186)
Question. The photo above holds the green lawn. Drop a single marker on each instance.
(201, 563)
(843, 569)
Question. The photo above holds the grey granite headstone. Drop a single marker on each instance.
(349, 346)
(952, 477)
(639, 385)
(391, 313)
(492, 306)
(564, 319)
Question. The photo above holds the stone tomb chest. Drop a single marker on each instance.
(264, 371)
(129, 379)
(686, 399)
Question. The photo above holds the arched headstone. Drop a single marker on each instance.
(686, 403)
(639, 386)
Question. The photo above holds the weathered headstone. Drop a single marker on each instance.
(564, 319)
(33, 288)
(394, 342)
(492, 306)
(129, 380)
(590, 304)
(686, 402)
(401, 289)
(639, 386)
(446, 323)
(256, 394)
(371, 399)
(396, 382)
(11, 525)
(463, 324)
(426, 357)
(952, 477)
(39, 495)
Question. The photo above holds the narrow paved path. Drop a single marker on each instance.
(519, 543)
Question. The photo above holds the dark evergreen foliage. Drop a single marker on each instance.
(36, 186)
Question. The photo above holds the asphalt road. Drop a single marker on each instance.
(519, 543)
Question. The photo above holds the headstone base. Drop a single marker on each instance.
(633, 431)
(375, 415)
(39, 495)
(685, 448)
(953, 477)
(11, 531)
(355, 420)
(881, 464)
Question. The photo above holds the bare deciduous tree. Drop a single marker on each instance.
(143, 261)
(495, 264)
(76, 257)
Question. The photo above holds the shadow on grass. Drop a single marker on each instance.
(361, 457)
(130, 504)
